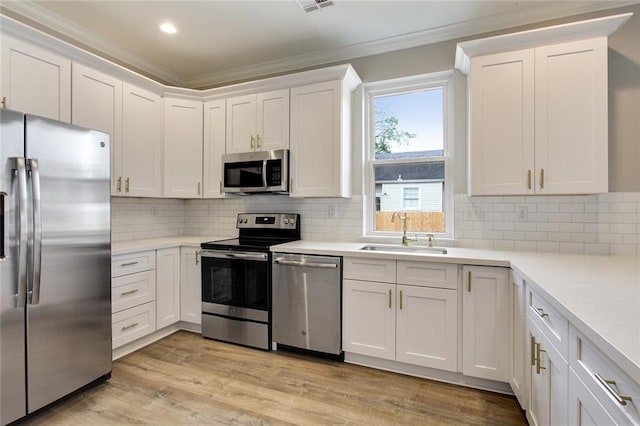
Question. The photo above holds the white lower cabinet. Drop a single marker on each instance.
(167, 286)
(133, 296)
(485, 323)
(190, 287)
(413, 324)
(517, 344)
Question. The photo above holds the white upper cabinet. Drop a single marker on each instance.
(141, 162)
(182, 148)
(97, 104)
(35, 81)
(538, 109)
(213, 147)
(321, 138)
(258, 122)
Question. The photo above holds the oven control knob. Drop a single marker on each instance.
(291, 221)
(286, 220)
(245, 220)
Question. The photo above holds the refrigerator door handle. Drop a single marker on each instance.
(37, 229)
(21, 172)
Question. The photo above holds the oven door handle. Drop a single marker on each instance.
(280, 261)
(263, 257)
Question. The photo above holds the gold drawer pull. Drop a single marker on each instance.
(122, 265)
(389, 299)
(533, 350)
(608, 385)
(125, 293)
(400, 299)
(541, 313)
(128, 326)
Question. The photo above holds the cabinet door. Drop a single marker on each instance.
(190, 287)
(501, 146)
(548, 381)
(485, 323)
(167, 286)
(427, 327)
(96, 103)
(214, 147)
(241, 124)
(320, 141)
(182, 148)
(369, 318)
(35, 81)
(273, 120)
(584, 408)
(141, 142)
(517, 343)
(571, 117)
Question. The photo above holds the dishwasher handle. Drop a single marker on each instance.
(282, 261)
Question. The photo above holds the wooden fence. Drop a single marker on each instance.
(416, 222)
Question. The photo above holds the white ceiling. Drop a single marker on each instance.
(229, 40)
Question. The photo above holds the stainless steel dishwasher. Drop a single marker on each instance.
(307, 297)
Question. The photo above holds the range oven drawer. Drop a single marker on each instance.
(242, 332)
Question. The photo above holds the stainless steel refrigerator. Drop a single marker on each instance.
(55, 261)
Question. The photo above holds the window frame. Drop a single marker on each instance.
(418, 197)
(444, 80)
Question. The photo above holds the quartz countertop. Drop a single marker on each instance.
(125, 247)
(599, 295)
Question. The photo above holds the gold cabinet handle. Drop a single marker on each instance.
(119, 184)
(533, 350)
(126, 185)
(608, 385)
(253, 141)
(389, 298)
(400, 299)
(128, 292)
(541, 178)
(469, 281)
(122, 265)
(541, 313)
(128, 326)
(197, 257)
(258, 141)
(198, 188)
(538, 366)
(529, 179)
(4, 102)
(221, 187)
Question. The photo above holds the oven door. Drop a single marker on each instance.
(236, 284)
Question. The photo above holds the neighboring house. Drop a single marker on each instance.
(409, 186)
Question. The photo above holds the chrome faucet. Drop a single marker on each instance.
(403, 217)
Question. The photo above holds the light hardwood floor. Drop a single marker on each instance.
(185, 379)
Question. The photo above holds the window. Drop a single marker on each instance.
(408, 167)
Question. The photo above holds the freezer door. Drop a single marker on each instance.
(69, 313)
(12, 356)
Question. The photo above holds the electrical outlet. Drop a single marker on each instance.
(331, 211)
(521, 213)
(154, 211)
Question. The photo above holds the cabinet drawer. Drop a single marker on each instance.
(598, 372)
(427, 274)
(378, 270)
(129, 263)
(132, 324)
(552, 324)
(132, 290)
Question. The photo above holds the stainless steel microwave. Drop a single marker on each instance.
(255, 172)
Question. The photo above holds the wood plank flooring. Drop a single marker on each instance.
(185, 379)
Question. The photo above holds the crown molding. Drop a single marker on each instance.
(74, 33)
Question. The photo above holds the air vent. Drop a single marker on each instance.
(311, 5)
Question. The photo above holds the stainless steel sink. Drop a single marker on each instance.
(404, 249)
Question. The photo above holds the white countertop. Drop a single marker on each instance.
(165, 242)
(599, 295)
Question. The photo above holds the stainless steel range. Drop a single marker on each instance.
(236, 279)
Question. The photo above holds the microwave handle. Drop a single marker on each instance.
(264, 174)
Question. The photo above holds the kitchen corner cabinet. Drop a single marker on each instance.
(258, 122)
(34, 80)
(139, 170)
(411, 318)
(517, 342)
(167, 286)
(97, 104)
(190, 285)
(321, 138)
(485, 323)
(182, 148)
(538, 120)
(213, 147)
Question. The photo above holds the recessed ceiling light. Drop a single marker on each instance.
(168, 28)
